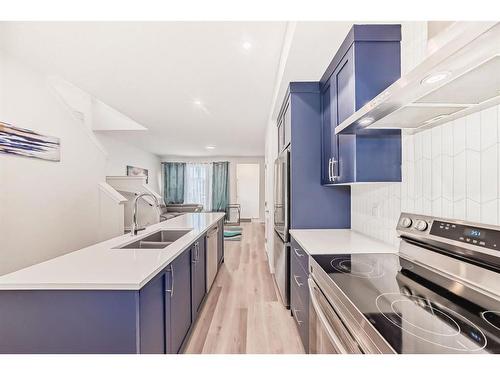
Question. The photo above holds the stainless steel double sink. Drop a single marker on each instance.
(156, 240)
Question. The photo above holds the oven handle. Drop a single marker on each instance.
(322, 318)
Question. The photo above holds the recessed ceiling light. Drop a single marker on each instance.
(366, 121)
(210, 147)
(246, 45)
(435, 77)
(197, 102)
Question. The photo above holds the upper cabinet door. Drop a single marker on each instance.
(346, 90)
(360, 71)
(326, 136)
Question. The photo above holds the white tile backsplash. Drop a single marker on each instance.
(451, 171)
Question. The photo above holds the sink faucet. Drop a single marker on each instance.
(135, 226)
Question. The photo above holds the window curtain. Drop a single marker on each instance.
(198, 184)
(220, 189)
(173, 191)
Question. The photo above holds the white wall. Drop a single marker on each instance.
(233, 161)
(46, 208)
(121, 154)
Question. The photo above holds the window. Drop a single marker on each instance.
(198, 184)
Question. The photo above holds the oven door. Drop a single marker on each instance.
(327, 333)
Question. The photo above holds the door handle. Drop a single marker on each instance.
(330, 169)
(295, 277)
(171, 290)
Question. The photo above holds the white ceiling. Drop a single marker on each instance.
(154, 72)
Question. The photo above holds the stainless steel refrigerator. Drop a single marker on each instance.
(281, 253)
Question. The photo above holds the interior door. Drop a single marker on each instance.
(247, 189)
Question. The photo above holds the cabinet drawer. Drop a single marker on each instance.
(298, 280)
(300, 313)
(300, 255)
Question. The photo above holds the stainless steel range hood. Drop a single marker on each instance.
(461, 75)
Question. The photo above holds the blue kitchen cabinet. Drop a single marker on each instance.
(299, 291)
(369, 156)
(367, 62)
(178, 301)
(198, 275)
(311, 204)
(152, 314)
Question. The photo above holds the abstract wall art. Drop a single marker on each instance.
(137, 172)
(24, 142)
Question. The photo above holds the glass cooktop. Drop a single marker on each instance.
(413, 308)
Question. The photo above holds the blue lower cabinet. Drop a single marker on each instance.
(198, 275)
(70, 322)
(299, 292)
(152, 322)
(178, 302)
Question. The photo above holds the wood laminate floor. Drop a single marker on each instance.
(243, 312)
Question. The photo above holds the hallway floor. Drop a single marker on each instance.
(243, 312)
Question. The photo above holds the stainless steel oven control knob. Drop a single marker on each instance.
(421, 225)
(405, 222)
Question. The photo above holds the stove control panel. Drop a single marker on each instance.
(469, 234)
(487, 236)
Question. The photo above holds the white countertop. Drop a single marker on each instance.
(100, 266)
(338, 241)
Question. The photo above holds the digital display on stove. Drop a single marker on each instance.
(474, 233)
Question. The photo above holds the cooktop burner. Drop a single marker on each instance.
(492, 317)
(412, 307)
(361, 269)
(445, 331)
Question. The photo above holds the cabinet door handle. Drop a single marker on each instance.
(299, 284)
(171, 290)
(330, 169)
(334, 163)
(297, 252)
(193, 253)
(299, 322)
(197, 251)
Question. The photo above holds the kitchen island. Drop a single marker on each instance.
(109, 299)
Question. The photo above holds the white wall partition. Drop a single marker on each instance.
(48, 209)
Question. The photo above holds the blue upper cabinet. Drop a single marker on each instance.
(311, 204)
(367, 62)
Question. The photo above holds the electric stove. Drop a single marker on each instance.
(440, 294)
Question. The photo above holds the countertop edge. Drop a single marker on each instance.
(388, 248)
